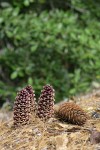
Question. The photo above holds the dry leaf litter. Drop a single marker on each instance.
(53, 134)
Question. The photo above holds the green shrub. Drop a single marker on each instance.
(56, 47)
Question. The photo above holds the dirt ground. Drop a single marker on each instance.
(53, 135)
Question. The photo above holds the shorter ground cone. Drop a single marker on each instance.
(46, 103)
(71, 113)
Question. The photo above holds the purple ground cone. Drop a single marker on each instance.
(45, 108)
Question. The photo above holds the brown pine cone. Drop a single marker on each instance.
(71, 113)
(32, 98)
(45, 108)
(22, 108)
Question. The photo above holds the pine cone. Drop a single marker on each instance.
(32, 98)
(45, 108)
(22, 108)
(71, 113)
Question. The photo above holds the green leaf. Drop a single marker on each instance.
(34, 47)
(26, 2)
(14, 75)
(30, 81)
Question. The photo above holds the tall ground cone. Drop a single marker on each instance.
(71, 113)
(22, 108)
(45, 108)
(32, 98)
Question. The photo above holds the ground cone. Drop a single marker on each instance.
(71, 113)
(46, 103)
(22, 108)
(32, 98)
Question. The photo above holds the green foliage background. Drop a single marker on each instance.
(56, 42)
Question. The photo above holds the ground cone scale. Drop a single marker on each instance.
(45, 108)
(71, 113)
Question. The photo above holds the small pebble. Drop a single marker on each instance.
(96, 115)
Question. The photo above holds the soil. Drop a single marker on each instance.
(53, 134)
